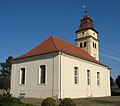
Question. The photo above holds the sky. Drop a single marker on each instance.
(26, 23)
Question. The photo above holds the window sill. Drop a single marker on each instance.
(22, 84)
(43, 84)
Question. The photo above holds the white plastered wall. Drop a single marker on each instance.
(32, 88)
(69, 89)
(89, 36)
(60, 77)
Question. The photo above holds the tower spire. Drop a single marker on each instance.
(86, 10)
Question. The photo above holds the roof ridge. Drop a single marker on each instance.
(53, 38)
(54, 42)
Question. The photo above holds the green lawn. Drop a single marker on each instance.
(103, 101)
(33, 101)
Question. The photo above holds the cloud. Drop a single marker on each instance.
(108, 29)
(108, 51)
(110, 57)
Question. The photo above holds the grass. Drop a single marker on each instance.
(34, 101)
(101, 101)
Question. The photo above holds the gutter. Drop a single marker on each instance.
(53, 80)
(60, 77)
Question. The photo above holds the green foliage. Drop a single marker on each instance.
(67, 102)
(118, 81)
(111, 81)
(51, 102)
(7, 100)
(5, 73)
(48, 102)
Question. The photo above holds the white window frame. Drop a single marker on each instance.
(88, 77)
(20, 79)
(76, 75)
(98, 78)
(39, 75)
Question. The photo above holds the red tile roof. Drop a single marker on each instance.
(53, 44)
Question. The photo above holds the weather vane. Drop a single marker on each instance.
(86, 10)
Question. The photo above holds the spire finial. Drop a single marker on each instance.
(86, 10)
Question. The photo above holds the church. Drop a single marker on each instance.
(58, 69)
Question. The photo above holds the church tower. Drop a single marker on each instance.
(87, 37)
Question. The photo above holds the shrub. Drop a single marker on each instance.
(48, 102)
(8, 99)
(67, 102)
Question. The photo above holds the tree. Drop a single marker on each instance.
(118, 81)
(5, 73)
(111, 81)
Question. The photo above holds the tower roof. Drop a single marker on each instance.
(86, 23)
(53, 44)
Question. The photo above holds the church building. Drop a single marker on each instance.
(58, 69)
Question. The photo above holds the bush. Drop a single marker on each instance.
(7, 100)
(48, 102)
(67, 102)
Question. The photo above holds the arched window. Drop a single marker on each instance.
(81, 44)
(42, 74)
(88, 77)
(98, 78)
(22, 76)
(82, 33)
(85, 44)
(76, 75)
(93, 45)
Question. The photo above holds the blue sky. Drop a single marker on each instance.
(26, 23)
